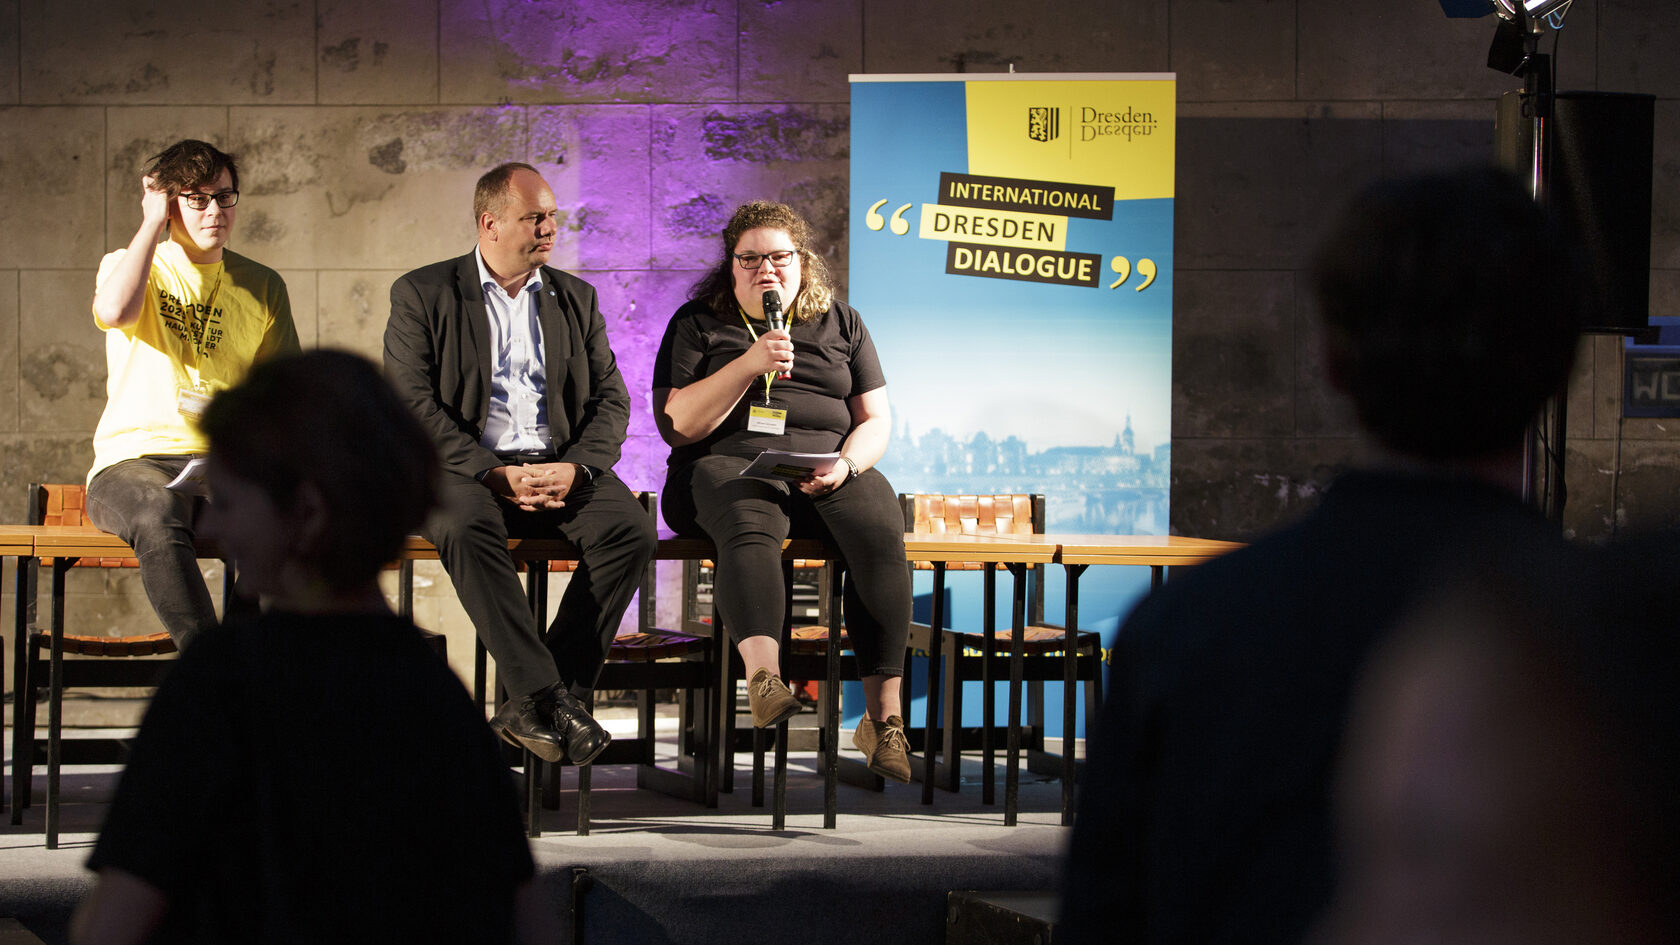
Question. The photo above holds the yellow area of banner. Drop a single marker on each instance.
(1119, 134)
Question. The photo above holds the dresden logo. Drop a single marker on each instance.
(1044, 123)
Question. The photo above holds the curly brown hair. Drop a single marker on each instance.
(190, 163)
(816, 292)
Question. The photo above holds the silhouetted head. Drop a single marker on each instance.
(319, 445)
(1452, 306)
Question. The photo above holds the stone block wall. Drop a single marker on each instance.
(362, 124)
(1277, 126)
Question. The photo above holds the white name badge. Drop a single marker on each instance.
(767, 417)
(191, 403)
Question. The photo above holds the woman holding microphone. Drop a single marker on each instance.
(732, 380)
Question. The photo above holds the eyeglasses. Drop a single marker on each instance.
(198, 201)
(781, 259)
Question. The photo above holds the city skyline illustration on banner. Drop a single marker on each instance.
(1011, 251)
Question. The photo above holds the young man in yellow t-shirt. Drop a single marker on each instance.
(183, 319)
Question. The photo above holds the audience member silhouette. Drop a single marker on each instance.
(315, 773)
(1450, 307)
(1512, 767)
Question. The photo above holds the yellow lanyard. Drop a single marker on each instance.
(768, 378)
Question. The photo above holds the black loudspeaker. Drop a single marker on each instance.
(1596, 173)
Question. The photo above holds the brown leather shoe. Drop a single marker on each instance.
(886, 747)
(770, 699)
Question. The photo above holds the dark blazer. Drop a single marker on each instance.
(437, 356)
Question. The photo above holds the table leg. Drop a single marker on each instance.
(1070, 691)
(988, 712)
(719, 720)
(16, 626)
(536, 594)
(23, 706)
(405, 588)
(934, 697)
(55, 700)
(1017, 667)
(778, 811)
(533, 794)
(584, 775)
(831, 723)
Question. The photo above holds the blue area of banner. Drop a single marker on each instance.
(1005, 385)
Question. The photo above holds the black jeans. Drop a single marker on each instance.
(129, 500)
(749, 518)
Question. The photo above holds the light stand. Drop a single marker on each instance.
(1587, 157)
(1544, 483)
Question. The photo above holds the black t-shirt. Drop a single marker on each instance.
(1205, 804)
(319, 779)
(833, 359)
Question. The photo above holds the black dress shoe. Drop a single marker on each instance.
(527, 723)
(583, 737)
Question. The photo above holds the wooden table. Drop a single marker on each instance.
(17, 542)
(1017, 553)
(65, 545)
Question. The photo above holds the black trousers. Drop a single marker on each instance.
(616, 538)
(749, 518)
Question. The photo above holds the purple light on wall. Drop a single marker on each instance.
(632, 112)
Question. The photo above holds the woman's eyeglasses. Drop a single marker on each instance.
(781, 259)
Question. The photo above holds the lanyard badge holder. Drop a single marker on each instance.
(766, 415)
(191, 401)
(192, 392)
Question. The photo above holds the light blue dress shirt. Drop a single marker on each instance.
(518, 420)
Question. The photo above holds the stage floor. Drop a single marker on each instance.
(661, 869)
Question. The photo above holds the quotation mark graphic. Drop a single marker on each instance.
(875, 221)
(1123, 266)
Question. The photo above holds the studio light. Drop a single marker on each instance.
(1534, 11)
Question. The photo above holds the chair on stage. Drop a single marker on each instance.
(982, 655)
(96, 661)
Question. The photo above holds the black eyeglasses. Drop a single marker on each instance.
(198, 201)
(781, 259)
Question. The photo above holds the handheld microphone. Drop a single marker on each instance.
(773, 315)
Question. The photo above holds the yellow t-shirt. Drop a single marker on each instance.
(200, 328)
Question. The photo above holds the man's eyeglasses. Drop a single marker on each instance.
(781, 259)
(198, 201)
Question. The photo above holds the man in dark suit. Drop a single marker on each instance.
(505, 361)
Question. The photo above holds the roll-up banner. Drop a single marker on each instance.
(1011, 242)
